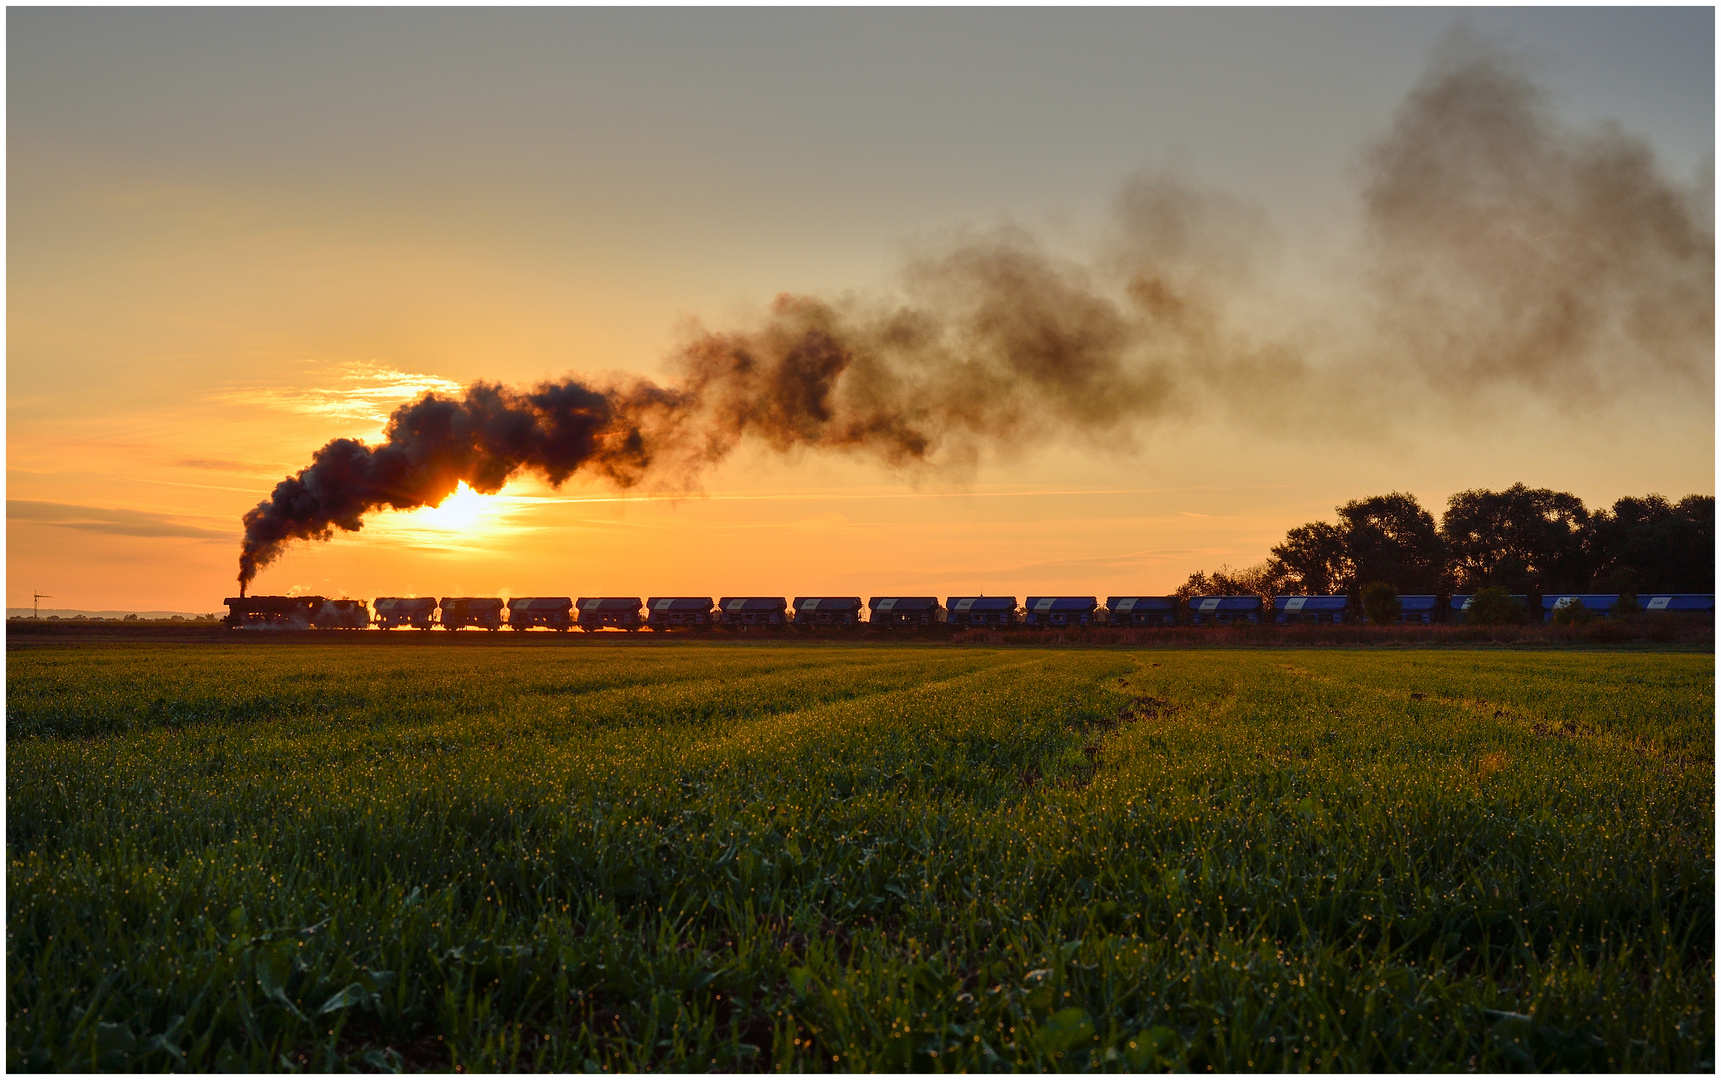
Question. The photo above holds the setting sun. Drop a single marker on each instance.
(461, 511)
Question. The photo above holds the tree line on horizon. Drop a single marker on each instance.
(1525, 540)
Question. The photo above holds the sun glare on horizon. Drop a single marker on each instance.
(463, 510)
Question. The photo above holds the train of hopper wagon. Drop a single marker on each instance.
(695, 613)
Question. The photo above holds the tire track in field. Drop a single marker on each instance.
(1518, 719)
(603, 706)
(790, 736)
(1106, 731)
(781, 734)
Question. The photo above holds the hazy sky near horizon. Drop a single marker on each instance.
(236, 234)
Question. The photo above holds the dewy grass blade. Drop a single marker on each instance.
(886, 858)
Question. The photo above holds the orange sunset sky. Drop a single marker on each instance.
(235, 235)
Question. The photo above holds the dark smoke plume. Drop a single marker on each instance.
(1505, 249)
(992, 333)
(432, 444)
(1511, 249)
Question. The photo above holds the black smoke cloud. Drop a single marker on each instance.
(484, 438)
(1504, 250)
(1511, 251)
(992, 334)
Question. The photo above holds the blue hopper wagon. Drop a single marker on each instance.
(1459, 603)
(888, 612)
(525, 612)
(827, 612)
(1051, 612)
(1417, 607)
(1141, 610)
(481, 611)
(993, 611)
(413, 611)
(752, 612)
(271, 612)
(597, 612)
(342, 614)
(1309, 609)
(678, 612)
(1224, 610)
(1602, 604)
(1679, 603)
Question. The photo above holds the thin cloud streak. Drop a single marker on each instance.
(112, 521)
(172, 483)
(374, 392)
(246, 468)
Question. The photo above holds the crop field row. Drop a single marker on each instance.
(700, 857)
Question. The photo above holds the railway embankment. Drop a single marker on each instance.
(1628, 631)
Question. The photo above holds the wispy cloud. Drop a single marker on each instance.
(112, 521)
(359, 392)
(252, 468)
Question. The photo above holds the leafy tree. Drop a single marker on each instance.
(1523, 539)
(1391, 538)
(1387, 538)
(1264, 579)
(1650, 543)
(1380, 602)
(1620, 579)
(1627, 605)
(1315, 559)
(1493, 606)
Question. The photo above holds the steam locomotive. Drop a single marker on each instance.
(665, 613)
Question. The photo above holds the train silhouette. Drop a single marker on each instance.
(744, 613)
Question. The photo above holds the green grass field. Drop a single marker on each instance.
(804, 857)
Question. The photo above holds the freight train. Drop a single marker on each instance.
(756, 613)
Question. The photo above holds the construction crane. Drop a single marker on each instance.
(36, 604)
